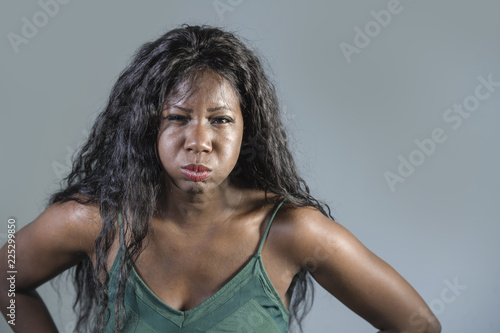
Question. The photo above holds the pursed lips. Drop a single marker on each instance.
(196, 172)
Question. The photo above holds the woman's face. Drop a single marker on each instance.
(200, 134)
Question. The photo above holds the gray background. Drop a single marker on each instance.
(349, 122)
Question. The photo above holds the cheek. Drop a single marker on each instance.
(166, 145)
(234, 142)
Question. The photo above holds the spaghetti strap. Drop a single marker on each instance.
(120, 225)
(269, 226)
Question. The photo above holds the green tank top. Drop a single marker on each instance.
(247, 303)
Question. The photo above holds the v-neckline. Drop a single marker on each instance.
(222, 295)
(240, 277)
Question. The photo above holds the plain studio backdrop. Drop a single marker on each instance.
(392, 106)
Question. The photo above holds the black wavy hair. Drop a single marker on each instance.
(118, 171)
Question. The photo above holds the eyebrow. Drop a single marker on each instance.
(223, 107)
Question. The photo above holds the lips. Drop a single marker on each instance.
(196, 172)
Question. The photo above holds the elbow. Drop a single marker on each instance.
(423, 321)
(435, 327)
(430, 325)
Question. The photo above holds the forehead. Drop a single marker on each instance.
(203, 86)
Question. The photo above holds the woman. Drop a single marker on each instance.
(176, 190)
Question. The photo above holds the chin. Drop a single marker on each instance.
(195, 188)
(195, 191)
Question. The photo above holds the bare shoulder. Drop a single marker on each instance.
(72, 222)
(305, 231)
(301, 233)
(59, 238)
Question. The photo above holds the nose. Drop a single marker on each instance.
(198, 139)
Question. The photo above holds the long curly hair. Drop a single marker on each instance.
(117, 168)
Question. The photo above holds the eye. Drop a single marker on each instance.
(222, 120)
(176, 118)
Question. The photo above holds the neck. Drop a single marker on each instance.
(200, 210)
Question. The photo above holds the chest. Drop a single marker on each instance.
(183, 272)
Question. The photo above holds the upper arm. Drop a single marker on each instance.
(56, 240)
(357, 277)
